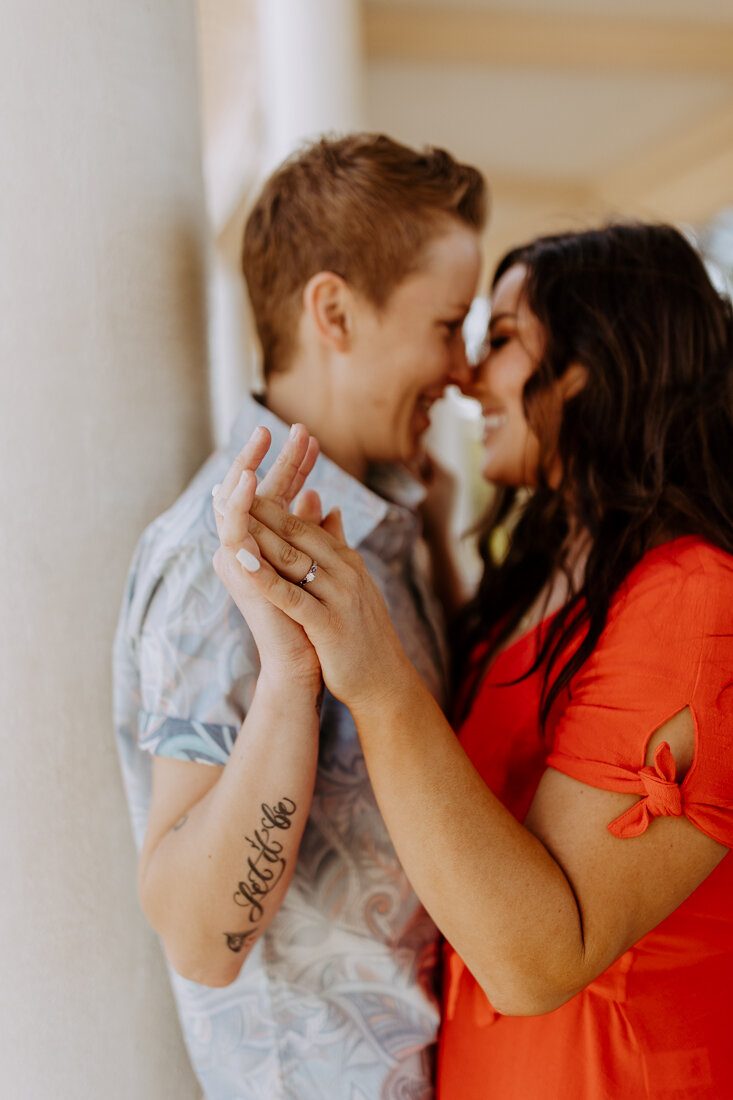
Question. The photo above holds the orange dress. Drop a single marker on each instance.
(659, 1022)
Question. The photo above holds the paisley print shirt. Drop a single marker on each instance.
(336, 1000)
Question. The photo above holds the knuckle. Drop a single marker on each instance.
(228, 537)
(288, 555)
(292, 598)
(254, 526)
(352, 558)
(292, 526)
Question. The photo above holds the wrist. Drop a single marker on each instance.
(280, 677)
(386, 694)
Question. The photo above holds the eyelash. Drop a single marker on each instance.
(491, 343)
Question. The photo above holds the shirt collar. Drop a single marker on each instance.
(363, 508)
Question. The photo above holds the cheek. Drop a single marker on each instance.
(507, 376)
(513, 457)
(394, 400)
(515, 384)
(431, 352)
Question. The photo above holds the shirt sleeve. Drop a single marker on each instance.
(667, 645)
(198, 662)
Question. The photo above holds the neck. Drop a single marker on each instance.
(303, 394)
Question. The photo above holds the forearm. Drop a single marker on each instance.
(213, 881)
(492, 888)
(538, 910)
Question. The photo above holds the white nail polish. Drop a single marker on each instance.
(215, 490)
(247, 561)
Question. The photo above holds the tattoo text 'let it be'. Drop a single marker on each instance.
(265, 867)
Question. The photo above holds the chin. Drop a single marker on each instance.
(490, 471)
(410, 447)
(495, 475)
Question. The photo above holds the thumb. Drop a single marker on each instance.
(333, 523)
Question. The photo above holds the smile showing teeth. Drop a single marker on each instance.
(492, 421)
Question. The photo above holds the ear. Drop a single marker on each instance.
(572, 380)
(327, 301)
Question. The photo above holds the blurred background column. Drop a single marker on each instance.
(311, 71)
(104, 417)
(274, 73)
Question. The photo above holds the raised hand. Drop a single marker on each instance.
(308, 572)
(283, 646)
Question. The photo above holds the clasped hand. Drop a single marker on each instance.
(268, 550)
(282, 644)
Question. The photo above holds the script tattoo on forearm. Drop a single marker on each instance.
(265, 867)
(237, 940)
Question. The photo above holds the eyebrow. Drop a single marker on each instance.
(496, 317)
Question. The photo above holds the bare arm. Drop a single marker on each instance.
(221, 843)
(537, 910)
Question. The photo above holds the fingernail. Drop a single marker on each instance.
(215, 490)
(293, 431)
(247, 561)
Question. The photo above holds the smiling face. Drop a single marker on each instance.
(512, 450)
(404, 355)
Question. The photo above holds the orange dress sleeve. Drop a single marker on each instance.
(667, 645)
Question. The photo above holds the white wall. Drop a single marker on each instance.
(103, 418)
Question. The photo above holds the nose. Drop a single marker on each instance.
(460, 373)
(470, 386)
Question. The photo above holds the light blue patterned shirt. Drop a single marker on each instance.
(336, 1001)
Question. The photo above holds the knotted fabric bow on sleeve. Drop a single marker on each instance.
(661, 796)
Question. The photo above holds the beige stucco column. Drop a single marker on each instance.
(310, 70)
(303, 78)
(102, 419)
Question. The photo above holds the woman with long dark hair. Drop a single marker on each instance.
(570, 841)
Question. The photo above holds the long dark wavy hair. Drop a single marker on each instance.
(646, 446)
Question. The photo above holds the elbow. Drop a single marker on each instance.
(529, 995)
(213, 973)
(200, 957)
(528, 1003)
(203, 959)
